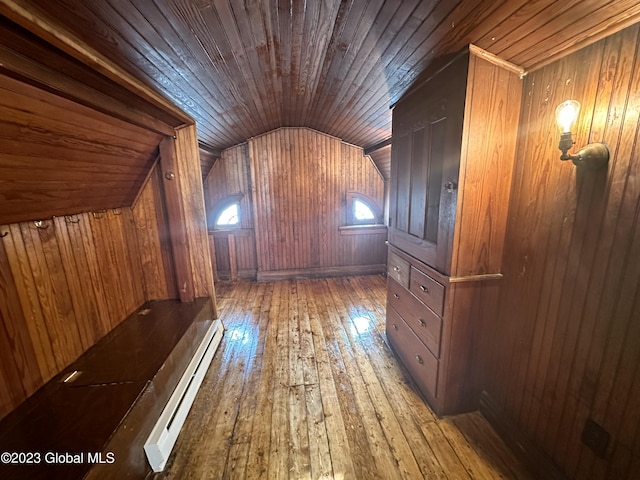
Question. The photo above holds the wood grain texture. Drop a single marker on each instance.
(183, 190)
(64, 287)
(566, 334)
(486, 166)
(194, 216)
(298, 197)
(179, 237)
(299, 181)
(125, 382)
(26, 57)
(150, 220)
(58, 157)
(230, 176)
(451, 179)
(305, 382)
(241, 69)
(57, 61)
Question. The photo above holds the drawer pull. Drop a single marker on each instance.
(395, 327)
(395, 295)
(396, 268)
(424, 289)
(421, 322)
(419, 359)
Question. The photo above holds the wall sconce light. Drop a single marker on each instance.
(594, 156)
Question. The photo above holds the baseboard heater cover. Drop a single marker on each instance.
(165, 432)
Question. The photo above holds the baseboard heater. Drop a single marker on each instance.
(165, 432)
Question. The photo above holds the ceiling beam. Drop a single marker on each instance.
(216, 152)
(369, 150)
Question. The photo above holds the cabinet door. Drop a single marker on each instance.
(425, 156)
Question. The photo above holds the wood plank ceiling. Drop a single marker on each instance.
(241, 68)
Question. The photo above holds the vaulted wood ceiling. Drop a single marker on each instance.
(244, 67)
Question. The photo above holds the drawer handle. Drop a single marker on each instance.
(419, 359)
(424, 289)
(395, 327)
(395, 295)
(421, 321)
(396, 268)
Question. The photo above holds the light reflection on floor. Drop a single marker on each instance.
(360, 325)
(242, 335)
(239, 334)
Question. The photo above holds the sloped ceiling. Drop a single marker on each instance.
(244, 67)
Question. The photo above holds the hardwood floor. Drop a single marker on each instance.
(304, 385)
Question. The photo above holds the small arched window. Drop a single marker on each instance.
(362, 210)
(229, 217)
(226, 214)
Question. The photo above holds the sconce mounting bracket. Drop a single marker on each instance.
(593, 156)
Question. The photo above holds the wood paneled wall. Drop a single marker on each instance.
(565, 346)
(293, 183)
(299, 182)
(63, 287)
(230, 176)
(152, 231)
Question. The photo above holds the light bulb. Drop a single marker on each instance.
(566, 114)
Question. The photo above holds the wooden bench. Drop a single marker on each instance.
(93, 420)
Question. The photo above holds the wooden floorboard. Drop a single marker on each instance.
(305, 386)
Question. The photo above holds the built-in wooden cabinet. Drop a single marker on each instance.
(425, 156)
(453, 147)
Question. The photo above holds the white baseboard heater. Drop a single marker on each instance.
(165, 432)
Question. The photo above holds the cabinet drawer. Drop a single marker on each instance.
(422, 320)
(427, 289)
(422, 366)
(398, 269)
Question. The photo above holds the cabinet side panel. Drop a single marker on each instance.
(468, 306)
(488, 151)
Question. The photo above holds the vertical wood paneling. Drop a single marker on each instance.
(178, 234)
(44, 258)
(299, 183)
(566, 336)
(150, 222)
(19, 370)
(56, 285)
(293, 183)
(183, 191)
(89, 329)
(64, 287)
(230, 176)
